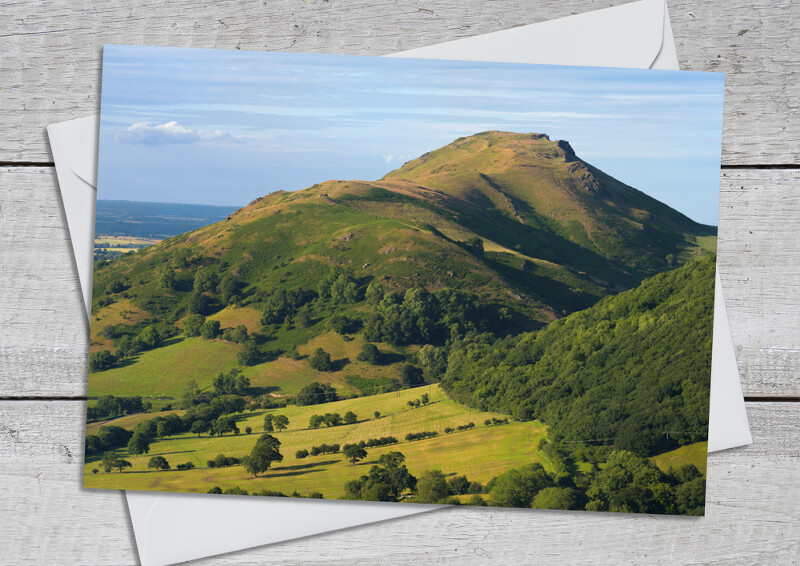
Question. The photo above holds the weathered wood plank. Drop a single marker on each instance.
(50, 51)
(43, 350)
(759, 255)
(751, 514)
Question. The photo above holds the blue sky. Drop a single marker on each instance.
(223, 127)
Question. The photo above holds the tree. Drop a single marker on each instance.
(411, 375)
(476, 500)
(376, 414)
(127, 346)
(205, 280)
(163, 429)
(199, 427)
(210, 329)
(111, 461)
(315, 421)
(264, 453)
(300, 454)
(557, 498)
(281, 422)
(158, 462)
(197, 303)
(374, 293)
(302, 320)
(193, 324)
(630, 484)
(181, 259)
(149, 337)
(320, 360)
(139, 443)
(231, 383)
(316, 393)
(224, 424)
(101, 361)
(424, 399)
(384, 482)
(249, 354)
(167, 279)
(475, 245)
(216, 489)
(239, 334)
(332, 419)
(354, 453)
(269, 420)
(458, 485)
(370, 354)
(248, 430)
(432, 487)
(229, 290)
(433, 360)
(343, 325)
(350, 417)
(516, 488)
(114, 287)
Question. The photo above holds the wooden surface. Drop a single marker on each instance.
(49, 72)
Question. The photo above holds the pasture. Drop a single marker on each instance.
(480, 453)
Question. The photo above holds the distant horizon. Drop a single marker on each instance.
(203, 125)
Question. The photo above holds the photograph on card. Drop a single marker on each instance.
(419, 281)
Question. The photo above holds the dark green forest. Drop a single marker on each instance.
(633, 370)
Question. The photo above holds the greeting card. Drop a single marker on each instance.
(454, 282)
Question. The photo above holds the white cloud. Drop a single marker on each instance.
(146, 133)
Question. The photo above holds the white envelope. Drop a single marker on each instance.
(636, 35)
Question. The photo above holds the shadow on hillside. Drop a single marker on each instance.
(135, 358)
(172, 341)
(254, 391)
(389, 358)
(339, 365)
(302, 469)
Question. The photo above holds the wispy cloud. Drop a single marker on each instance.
(146, 133)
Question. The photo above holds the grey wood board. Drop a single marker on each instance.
(751, 516)
(44, 345)
(50, 52)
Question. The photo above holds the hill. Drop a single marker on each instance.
(632, 370)
(497, 232)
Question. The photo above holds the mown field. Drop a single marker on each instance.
(480, 453)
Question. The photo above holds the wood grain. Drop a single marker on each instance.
(43, 351)
(751, 515)
(50, 51)
(49, 72)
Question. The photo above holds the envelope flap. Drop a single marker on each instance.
(630, 35)
(77, 141)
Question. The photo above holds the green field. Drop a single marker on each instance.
(166, 371)
(480, 453)
(690, 454)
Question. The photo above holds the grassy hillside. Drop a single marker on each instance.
(480, 453)
(167, 370)
(558, 235)
(695, 454)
